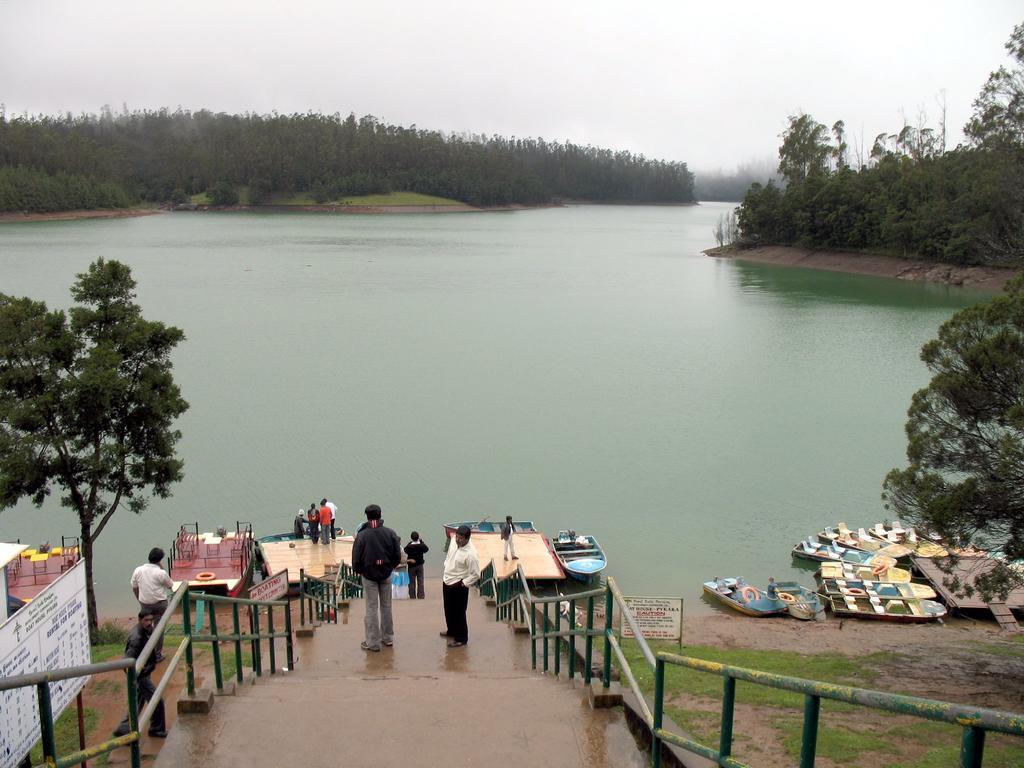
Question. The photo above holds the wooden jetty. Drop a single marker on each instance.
(533, 549)
(314, 559)
(967, 570)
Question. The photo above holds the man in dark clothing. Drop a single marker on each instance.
(376, 552)
(414, 553)
(137, 640)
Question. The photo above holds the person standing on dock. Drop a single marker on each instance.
(414, 554)
(334, 516)
(461, 571)
(313, 518)
(326, 522)
(376, 552)
(508, 536)
(151, 583)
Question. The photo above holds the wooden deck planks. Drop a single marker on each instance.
(967, 570)
(306, 555)
(536, 557)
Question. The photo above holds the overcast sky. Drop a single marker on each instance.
(706, 83)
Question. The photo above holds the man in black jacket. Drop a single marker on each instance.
(376, 552)
(137, 640)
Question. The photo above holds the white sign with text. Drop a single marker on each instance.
(51, 632)
(658, 618)
(270, 588)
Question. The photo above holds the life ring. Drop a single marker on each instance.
(879, 568)
(856, 592)
(786, 597)
(749, 593)
(206, 576)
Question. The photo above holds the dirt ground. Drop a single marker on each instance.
(960, 661)
(985, 278)
(964, 661)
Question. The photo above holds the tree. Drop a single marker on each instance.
(87, 403)
(998, 118)
(805, 149)
(965, 437)
(223, 193)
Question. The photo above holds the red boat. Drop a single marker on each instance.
(36, 567)
(219, 562)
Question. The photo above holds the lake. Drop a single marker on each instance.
(584, 367)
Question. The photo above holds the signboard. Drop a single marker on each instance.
(658, 618)
(270, 588)
(51, 632)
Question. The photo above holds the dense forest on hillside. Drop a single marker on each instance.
(912, 196)
(730, 186)
(162, 156)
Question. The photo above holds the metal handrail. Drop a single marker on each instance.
(975, 721)
(133, 669)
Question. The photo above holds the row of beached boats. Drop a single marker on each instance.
(859, 577)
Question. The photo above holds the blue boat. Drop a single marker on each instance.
(748, 600)
(581, 556)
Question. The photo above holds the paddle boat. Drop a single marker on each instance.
(34, 568)
(581, 556)
(219, 562)
(911, 610)
(809, 549)
(862, 540)
(899, 590)
(748, 600)
(839, 570)
(803, 603)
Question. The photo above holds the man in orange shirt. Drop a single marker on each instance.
(325, 524)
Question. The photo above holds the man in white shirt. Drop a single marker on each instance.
(151, 583)
(461, 571)
(334, 516)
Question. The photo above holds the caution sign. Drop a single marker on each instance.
(658, 618)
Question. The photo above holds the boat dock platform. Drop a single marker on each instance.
(533, 548)
(314, 559)
(967, 570)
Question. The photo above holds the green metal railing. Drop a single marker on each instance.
(514, 602)
(321, 596)
(133, 667)
(254, 636)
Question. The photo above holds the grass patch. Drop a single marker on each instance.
(111, 633)
(835, 742)
(400, 198)
(200, 198)
(107, 652)
(105, 687)
(825, 667)
(1013, 649)
(66, 732)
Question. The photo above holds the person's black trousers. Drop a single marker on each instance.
(456, 600)
(146, 691)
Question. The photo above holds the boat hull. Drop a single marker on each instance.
(730, 596)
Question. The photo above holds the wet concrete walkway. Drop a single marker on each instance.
(417, 703)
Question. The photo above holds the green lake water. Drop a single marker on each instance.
(583, 367)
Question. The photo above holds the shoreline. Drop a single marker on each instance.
(984, 278)
(76, 215)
